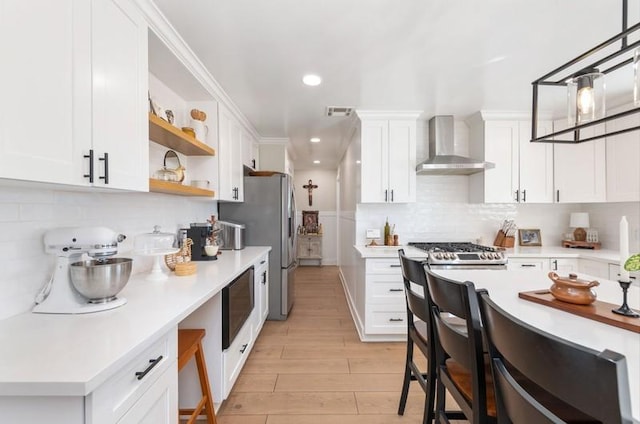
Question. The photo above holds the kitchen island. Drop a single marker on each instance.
(504, 286)
(61, 363)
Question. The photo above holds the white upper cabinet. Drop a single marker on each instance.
(45, 81)
(250, 153)
(120, 85)
(623, 160)
(73, 83)
(230, 170)
(579, 170)
(388, 157)
(523, 170)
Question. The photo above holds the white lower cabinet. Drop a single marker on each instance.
(538, 264)
(385, 307)
(561, 265)
(593, 268)
(261, 278)
(236, 355)
(158, 405)
(143, 390)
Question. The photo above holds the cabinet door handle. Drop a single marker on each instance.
(517, 196)
(253, 162)
(264, 277)
(394, 266)
(261, 262)
(555, 265)
(631, 276)
(396, 290)
(152, 363)
(392, 195)
(385, 195)
(396, 319)
(244, 347)
(527, 265)
(105, 159)
(90, 174)
(524, 195)
(558, 196)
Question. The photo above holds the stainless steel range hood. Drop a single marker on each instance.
(442, 160)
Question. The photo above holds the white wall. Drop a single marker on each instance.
(27, 212)
(324, 201)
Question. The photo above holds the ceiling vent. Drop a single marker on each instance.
(339, 111)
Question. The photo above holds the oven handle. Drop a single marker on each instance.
(470, 266)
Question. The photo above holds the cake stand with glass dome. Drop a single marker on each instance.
(156, 245)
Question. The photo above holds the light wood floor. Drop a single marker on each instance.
(312, 368)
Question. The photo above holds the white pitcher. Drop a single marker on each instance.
(200, 129)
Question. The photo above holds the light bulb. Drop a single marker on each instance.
(585, 100)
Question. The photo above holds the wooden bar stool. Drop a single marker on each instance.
(190, 345)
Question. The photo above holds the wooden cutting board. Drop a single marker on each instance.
(598, 311)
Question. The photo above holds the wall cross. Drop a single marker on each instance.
(310, 188)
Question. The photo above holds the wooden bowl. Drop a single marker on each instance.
(571, 289)
(185, 268)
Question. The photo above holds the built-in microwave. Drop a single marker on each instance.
(237, 304)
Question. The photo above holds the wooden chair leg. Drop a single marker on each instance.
(204, 385)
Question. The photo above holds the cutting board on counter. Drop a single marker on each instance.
(597, 311)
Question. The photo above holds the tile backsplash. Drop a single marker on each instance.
(442, 213)
(26, 213)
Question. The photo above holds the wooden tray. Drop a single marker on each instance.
(581, 244)
(598, 311)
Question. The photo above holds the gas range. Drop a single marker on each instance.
(462, 255)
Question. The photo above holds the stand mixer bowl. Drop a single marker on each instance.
(100, 280)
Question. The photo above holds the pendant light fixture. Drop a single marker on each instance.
(585, 97)
(584, 80)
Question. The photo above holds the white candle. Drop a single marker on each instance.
(624, 248)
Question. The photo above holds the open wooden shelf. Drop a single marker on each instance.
(174, 138)
(167, 187)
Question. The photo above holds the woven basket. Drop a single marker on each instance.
(183, 256)
(185, 268)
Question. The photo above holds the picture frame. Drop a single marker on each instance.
(529, 237)
(310, 221)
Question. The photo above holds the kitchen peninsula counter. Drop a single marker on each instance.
(72, 355)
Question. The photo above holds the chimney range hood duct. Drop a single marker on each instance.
(441, 160)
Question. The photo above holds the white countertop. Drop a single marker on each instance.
(71, 355)
(608, 256)
(503, 287)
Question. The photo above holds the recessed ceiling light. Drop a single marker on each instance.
(316, 161)
(311, 80)
(358, 162)
(314, 140)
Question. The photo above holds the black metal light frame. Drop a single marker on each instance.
(612, 62)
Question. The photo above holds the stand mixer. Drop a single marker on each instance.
(94, 283)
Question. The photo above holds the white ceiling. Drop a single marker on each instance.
(439, 56)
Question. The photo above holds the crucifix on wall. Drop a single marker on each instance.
(310, 188)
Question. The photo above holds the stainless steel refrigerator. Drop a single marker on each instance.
(269, 214)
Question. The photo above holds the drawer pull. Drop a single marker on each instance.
(152, 363)
(396, 319)
(396, 290)
(244, 347)
(394, 266)
(261, 262)
(528, 265)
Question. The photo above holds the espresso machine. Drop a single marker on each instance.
(202, 235)
(85, 279)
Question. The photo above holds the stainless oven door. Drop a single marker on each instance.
(469, 267)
